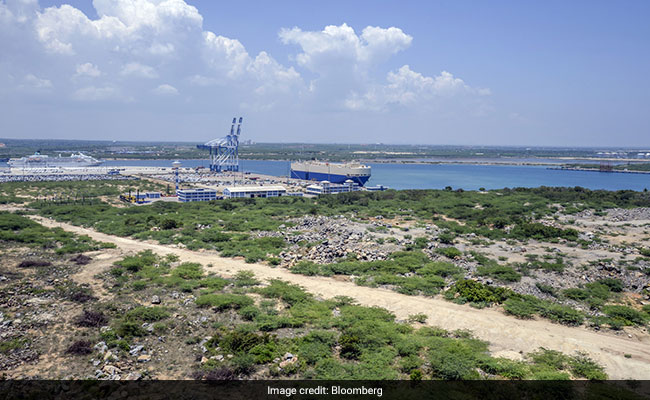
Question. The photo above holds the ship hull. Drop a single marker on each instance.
(334, 178)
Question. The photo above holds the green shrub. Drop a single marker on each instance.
(625, 315)
(500, 272)
(449, 252)
(524, 307)
(350, 346)
(562, 314)
(506, 368)
(147, 314)
(446, 238)
(224, 301)
(249, 312)
(245, 278)
(584, 367)
(291, 294)
(137, 262)
(239, 341)
(476, 292)
(316, 345)
(188, 271)
(615, 285)
(128, 329)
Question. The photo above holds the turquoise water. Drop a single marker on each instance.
(438, 176)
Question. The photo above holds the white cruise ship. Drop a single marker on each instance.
(38, 160)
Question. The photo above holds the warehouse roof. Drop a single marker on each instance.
(235, 189)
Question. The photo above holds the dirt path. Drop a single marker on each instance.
(506, 335)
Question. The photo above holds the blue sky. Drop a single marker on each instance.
(450, 72)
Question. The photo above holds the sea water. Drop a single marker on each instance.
(439, 176)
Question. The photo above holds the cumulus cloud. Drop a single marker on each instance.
(165, 90)
(34, 82)
(406, 87)
(326, 49)
(140, 50)
(88, 69)
(139, 70)
(92, 93)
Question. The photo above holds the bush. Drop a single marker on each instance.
(350, 346)
(562, 314)
(188, 271)
(291, 294)
(615, 285)
(224, 301)
(249, 312)
(137, 262)
(34, 263)
(524, 307)
(239, 341)
(147, 314)
(446, 238)
(449, 252)
(583, 366)
(90, 319)
(500, 272)
(80, 348)
(81, 259)
(625, 315)
(128, 329)
(476, 292)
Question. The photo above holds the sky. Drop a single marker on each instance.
(552, 73)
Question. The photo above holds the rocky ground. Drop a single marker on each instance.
(324, 240)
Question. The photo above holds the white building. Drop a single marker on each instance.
(326, 187)
(234, 192)
(186, 195)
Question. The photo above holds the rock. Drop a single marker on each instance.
(155, 300)
(288, 362)
(148, 327)
(288, 356)
(108, 356)
(144, 358)
(101, 347)
(219, 357)
(204, 360)
(133, 376)
(111, 370)
(134, 350)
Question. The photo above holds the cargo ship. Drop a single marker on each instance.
(332, 172)
(38, 160)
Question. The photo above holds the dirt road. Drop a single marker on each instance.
(507, 335)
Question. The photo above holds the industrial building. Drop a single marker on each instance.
(140, 198)
(326, 187)
(254, 191)
(187, 195)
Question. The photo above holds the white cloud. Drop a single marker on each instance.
(139, 70)
(406, 87)
(88, 69)
(33, 82)
(165, 90)
(92, 93)
(334, 44)
(118, 55)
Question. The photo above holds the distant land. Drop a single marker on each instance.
(377, 152)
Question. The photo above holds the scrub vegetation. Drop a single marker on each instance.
(512, 215)
(278, 330)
